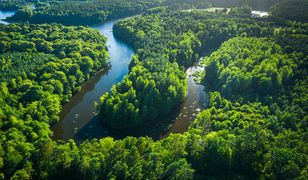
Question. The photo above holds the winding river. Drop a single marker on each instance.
(78, 120)
(78, 117)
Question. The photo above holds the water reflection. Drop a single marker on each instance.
(4, 15)
(80, 111)
(78, 120)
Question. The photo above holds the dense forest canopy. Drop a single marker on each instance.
(161, 41)
(96, 11)
(271, 124)
(42, 66)
(295, 10)
(90, 12)
(251, 79)
(257, 4)
(255, 125)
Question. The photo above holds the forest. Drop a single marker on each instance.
(254, 126)
(81, 12)
(285, 10)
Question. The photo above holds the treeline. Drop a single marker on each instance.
(18, 4)
(42, 66)
(294, 10)
(13, 4)
(97, 11)
(263, 5)
(79, 12)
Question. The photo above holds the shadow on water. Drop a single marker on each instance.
(196, 101)
(177, 121)
(78, 120)
(153, 129)
(95, 129)
(88, 86)
(80, 111)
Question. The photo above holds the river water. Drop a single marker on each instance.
(196, 100)
(79, 114)
(5, 14)
(78, 120)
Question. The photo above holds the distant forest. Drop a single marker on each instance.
(96, 11)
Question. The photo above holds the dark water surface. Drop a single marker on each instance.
(78, 117)
(196, 100)
(4, 15)
(78, 120)
(177, 122)
(79, 113)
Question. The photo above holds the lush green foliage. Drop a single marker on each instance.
(150, 90)
(263, 130)
(245, 133)
(19, 4)
(250, 66)
(96, 11)
(15, 64)
(76, 51)
(41, 67)
(156, 84)
(78, 12)
(130, 158)
(259, 130)
(257, 75)
(11, 4)
(172, 4)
